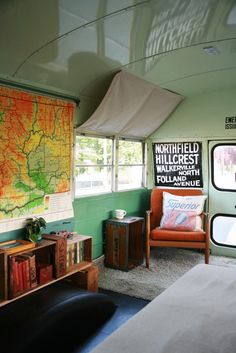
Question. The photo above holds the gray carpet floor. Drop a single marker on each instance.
(166, 266)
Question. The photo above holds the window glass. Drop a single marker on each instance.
(130, 165)
(93, 150)
(130, 152)
(93, 165)
(224, 167)
(129, 177)
(224, 230)
(97, 170)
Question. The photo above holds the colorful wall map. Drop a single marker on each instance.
(36, 135)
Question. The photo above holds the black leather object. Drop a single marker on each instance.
(56, 318)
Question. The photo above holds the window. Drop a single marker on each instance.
(223, 230)
(130, 164)
(93, 165)
(105, 164)
(224, 167)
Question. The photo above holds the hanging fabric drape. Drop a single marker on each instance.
(132, 107)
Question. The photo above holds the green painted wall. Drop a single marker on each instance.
(200, 118)
(67, 224)
(92, 212)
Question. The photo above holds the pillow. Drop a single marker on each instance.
(182, 212)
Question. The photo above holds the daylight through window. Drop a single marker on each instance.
(224, 167)
(105, 164)
(130, 165)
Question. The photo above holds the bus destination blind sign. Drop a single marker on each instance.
(178, 164)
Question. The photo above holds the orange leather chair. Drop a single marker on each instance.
(173, 238)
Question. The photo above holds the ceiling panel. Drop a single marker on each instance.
(77, 45)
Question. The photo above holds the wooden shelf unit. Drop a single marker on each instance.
(48, 247)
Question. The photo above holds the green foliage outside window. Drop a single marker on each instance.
(96, 169)
(92, 151)
(130, 152)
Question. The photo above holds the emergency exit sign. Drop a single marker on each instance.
(230, 122)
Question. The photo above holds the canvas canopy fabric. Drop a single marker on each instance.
(132, 107)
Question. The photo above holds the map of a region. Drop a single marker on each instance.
(35, 151)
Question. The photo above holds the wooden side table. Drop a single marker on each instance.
(124, 243)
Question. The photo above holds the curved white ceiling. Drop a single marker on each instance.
(76, 46)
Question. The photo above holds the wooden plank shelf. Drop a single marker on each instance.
(48, 249)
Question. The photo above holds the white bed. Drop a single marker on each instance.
(197, 314)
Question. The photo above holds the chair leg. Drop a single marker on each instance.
(207, 254)
(147, 254)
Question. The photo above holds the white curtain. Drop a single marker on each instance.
(132, 107)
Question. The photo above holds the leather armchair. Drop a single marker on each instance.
(156, 237)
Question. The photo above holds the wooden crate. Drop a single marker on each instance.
(86, 279)
(124, 243)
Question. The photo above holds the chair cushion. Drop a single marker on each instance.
(163, 234)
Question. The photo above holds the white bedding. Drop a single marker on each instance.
(197, 314)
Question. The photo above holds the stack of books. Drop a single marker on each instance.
(69, 250)
(22, 274)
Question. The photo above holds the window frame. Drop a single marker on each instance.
(78, 165)
(114, 165)
(212, 228)
(143, 164)
(213, 166)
